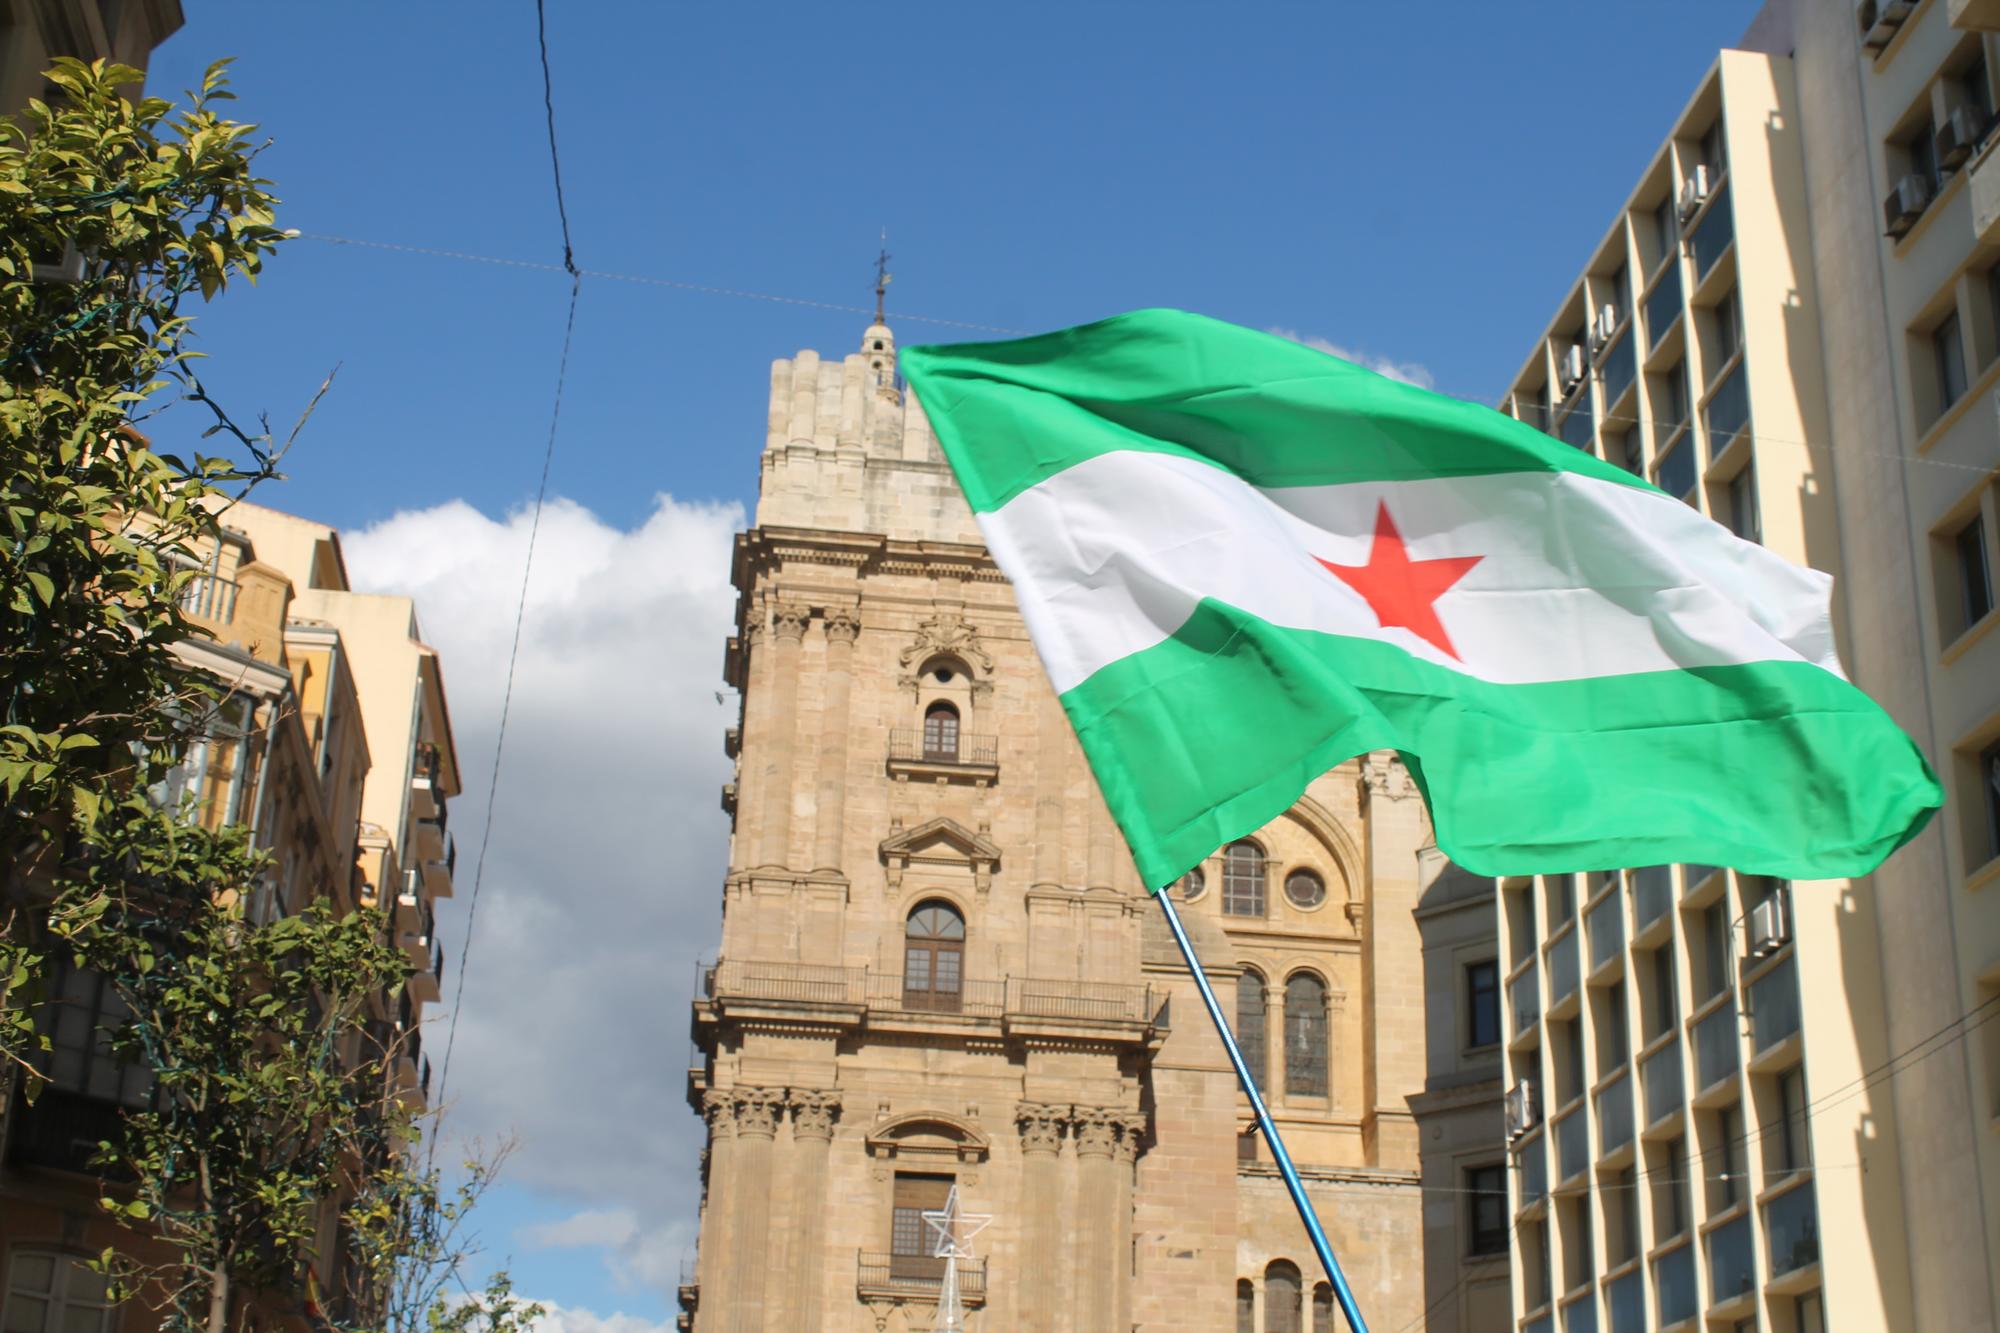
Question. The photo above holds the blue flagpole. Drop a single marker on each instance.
(1341, 1291)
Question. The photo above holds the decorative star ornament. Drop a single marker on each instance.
(953, 1229)
(1400, 591)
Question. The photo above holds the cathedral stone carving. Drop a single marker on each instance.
(1041, 1126)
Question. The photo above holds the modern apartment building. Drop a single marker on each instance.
(938, 968)
(1735, 1102)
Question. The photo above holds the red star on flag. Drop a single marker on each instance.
(1400, 591)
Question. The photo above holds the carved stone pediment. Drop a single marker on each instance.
(948, 632)
(941, 842)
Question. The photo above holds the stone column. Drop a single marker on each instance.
(713, 1262)
(1038, 1295)
(812, 1137)
(1103, 851)
(1097, 1225)
(1125, 1156)
(788, 627)
(1051, 768)
(830, 808)
(757, 1111)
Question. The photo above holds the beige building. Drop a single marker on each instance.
(34, 32)
(333, 744)
(1735, 1102)
(938, 968)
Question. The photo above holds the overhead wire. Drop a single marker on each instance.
(527, 566)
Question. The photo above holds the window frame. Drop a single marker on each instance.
(1475, 991)
(1245, 884)
(1253, 1035)
(1308, 1043)
(1297, 873)
(949, 727)
(56, 1300)
(1948, 360)
(1483, 1241)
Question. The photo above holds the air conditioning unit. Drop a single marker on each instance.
(1572, 368)
(1769, 928)
(1694, 191)
(1602, 327)
(66, 268)
(1878, 21)
(1906, 203)
(1958, 138)
(1524, 1109)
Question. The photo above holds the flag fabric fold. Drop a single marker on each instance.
(1244, 561)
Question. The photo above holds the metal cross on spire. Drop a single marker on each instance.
(882, 275)
(952, 1232)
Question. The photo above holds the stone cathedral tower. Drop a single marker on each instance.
(938, 966)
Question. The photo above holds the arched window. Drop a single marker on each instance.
(1305, 889)
(1305, 1035)
(933, 958)
(1322, 1308)
(1281, 1297)
(1243, 879)
(941, 733)
(1191, 885)
(1251, 996)
(1246, 1306)
(56, 1293)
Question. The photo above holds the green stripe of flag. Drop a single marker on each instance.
(1271, 411)
(1216, 731)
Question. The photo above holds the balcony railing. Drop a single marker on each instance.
(1673, 1279)
(1716, 1053)
(915, 1275)
(906, 746)
(1620, 368)
(1774, 1005)
(209, 597)
(1732, 1263)
(863, 988)
(1652, 895)
(1572, 1145)
(1606, 924)
(1662, 1075)
(1712, 234)
(1531, 1159)
(1580, 1315)
(1628, 1303)
(1663, 304)
(1562, 969)
(1526, 993)
(1614, 1116)
(1791, 1228)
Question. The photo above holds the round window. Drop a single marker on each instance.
(944, 675)
(1192, 885)
(1305, 889)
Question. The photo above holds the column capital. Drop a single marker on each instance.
(1131, 1128)
(719, 1109)
(813, 1113)
(1384, 774)
(1041, 1125)
(788, 620)
(842, 623)
(1096, 1130)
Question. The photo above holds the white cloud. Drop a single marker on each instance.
(602, 880)
(558, 1319)
(1409, 372)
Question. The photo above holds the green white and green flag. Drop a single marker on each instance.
(1243, 561)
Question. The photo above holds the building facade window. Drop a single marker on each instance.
(1243, 875)
(1809, 1315)
(1482, 1003)
(1322, 1308)
(1246, 1306)
(1793, 1148)
(1613, 1046)
(1192, 885)
(909, 1239)
(934, 959)
(1305, 1035)
(1975, 574)
(56, 1293)
(941, 733)
(1948, 353)
(1251, 998)
(1305, 889)
(1486, 1210)
(80, 1020)
(1281, 1297)
(1715, 948)
(1744, 517)
(1666, 1000)
(1988, 796)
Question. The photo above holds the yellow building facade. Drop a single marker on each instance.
(938, 968)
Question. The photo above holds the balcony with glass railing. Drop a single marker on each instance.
(1661, 1074)
(1572, 1133)
(1693, 876)
(1717, 1055)
(1614, 1115)
(1524, 993)
(1652, 896)
(1674, 468)
(1663, 304)
(1575, 428)
(1712, 234)
(1677, 1295)
(1563, 973)
(1626, 1300)
(1579, 1315)
(1606, 924)
(1531, 1168)
(1791, 1230)
(1732, 1260)
(1620, 368)
(1727, 413)
(1774, 1005)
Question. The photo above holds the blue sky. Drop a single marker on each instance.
(1415, 183)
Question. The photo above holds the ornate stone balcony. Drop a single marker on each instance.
(974, 759)
(899, 1278)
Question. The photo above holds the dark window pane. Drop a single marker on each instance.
(1674, 472)
(1486, 1189)
(1621, 365)
(1246, 1307)
(1305, 889)
(1305, 1035)
(1975, 577)
(1989, 795)
(1711, 235)
(1482, 987)
(1575, 428)
(1243, 879)
(1744, 519)
(1322, 1308)
(941, 733)
(1948, 349)
(1281, 1298)
(1663, 305)
(1250, 1031)
(1923, 153)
